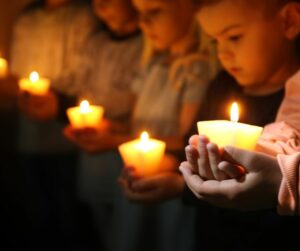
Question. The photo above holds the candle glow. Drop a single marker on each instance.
(3, 68)
(223, 132)
(34, 84)
(85, 115)
(144, 154)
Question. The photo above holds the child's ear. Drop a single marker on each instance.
(290, 14)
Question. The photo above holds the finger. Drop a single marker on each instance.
(214, 159)
(232, 170)
(193, 140)
(130, 173)
(192, 156)
(193, 181)
(203, 160)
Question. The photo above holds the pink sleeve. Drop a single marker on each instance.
(289, 110)
(279, 138)
(283, 136)
(289, 192)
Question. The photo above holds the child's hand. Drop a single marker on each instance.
(91, 140)
(204, 157)
(41, 108)
(152, 189)
(256, 189)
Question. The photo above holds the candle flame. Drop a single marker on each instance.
(34, 76)
(84, 106)
(234, 113)
(144, 142)
(144, 137)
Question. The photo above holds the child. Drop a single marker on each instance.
(171, 86)
(261, 68)
(110, 63)
(48, 37)
(170, 90)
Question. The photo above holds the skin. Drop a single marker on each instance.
(40, 108)
(243, 192)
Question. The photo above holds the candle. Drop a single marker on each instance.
(223, 132)
(34, 84)
(3, 68)
(144, 154)
(85, 115)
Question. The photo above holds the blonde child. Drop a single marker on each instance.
(170, 90)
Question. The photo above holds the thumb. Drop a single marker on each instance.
(239, 156)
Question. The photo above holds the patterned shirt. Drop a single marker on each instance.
(110, 66)
(161, 96)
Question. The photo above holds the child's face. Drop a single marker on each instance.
(251, 46)
(114, 13)
(165, 22)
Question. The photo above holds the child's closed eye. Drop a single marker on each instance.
(235, 38)
(151, 14)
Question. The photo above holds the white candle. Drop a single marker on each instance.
(223, 132)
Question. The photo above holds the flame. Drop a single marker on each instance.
(84, 106)
(234, 112)
(144, 137)
(34, 76)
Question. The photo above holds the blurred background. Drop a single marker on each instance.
(8, 12)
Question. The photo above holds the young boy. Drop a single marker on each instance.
(257, 46)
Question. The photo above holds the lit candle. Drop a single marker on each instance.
(223, 132)
(144, 154)
(85, 115)
(3, 68)
(34, 84)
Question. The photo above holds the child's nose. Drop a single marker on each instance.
(225, 55)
